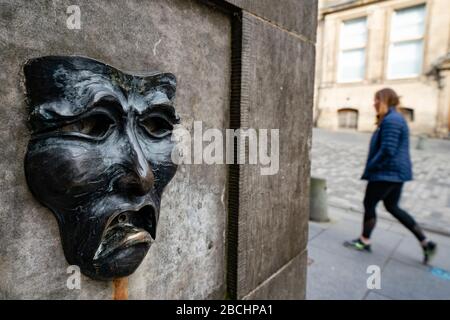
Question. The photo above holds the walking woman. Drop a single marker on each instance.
(388, 167)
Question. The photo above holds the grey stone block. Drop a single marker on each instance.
(187, 260)
(278, 82)
(288, 283)
(277, 92)
(296, 16)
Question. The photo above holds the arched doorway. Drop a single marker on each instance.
(408, 113)
(348, 118)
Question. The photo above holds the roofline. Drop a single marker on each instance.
(345, 6)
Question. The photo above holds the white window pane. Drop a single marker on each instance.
(405, 59)
(354, 33)
(352, 65)
(408, 23)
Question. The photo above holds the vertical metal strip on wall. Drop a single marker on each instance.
(233, 169)
(242, 68)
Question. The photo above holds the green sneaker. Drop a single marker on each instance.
(357, 244)
(429, 250)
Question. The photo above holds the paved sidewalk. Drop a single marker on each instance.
(340, 158)
(337, 272)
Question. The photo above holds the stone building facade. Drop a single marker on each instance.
(365, 45)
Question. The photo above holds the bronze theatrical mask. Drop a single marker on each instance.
(99, 157)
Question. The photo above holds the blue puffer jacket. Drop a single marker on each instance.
(389, 158)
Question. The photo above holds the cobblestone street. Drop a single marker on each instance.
(339, 157)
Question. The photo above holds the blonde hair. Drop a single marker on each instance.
(388, 98)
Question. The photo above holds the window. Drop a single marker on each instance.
(352, 53)
(406, 47)
(348, 118)
(408, 113)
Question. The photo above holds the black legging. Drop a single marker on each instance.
(390, 193)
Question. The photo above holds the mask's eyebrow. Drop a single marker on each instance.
(158, 102)
(64, 109)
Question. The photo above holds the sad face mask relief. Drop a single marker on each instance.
(99, 157)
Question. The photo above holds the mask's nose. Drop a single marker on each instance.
(138, 179)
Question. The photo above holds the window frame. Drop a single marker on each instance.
(340, 50)
(390, 42)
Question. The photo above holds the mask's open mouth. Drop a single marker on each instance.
(126, 229)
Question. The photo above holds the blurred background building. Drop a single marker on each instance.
(365, 45)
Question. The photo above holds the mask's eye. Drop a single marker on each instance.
(96, 125)
(157, 127)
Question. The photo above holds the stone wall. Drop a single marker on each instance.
(269, 85)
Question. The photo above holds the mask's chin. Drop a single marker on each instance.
(127, 237)
(120, 263)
